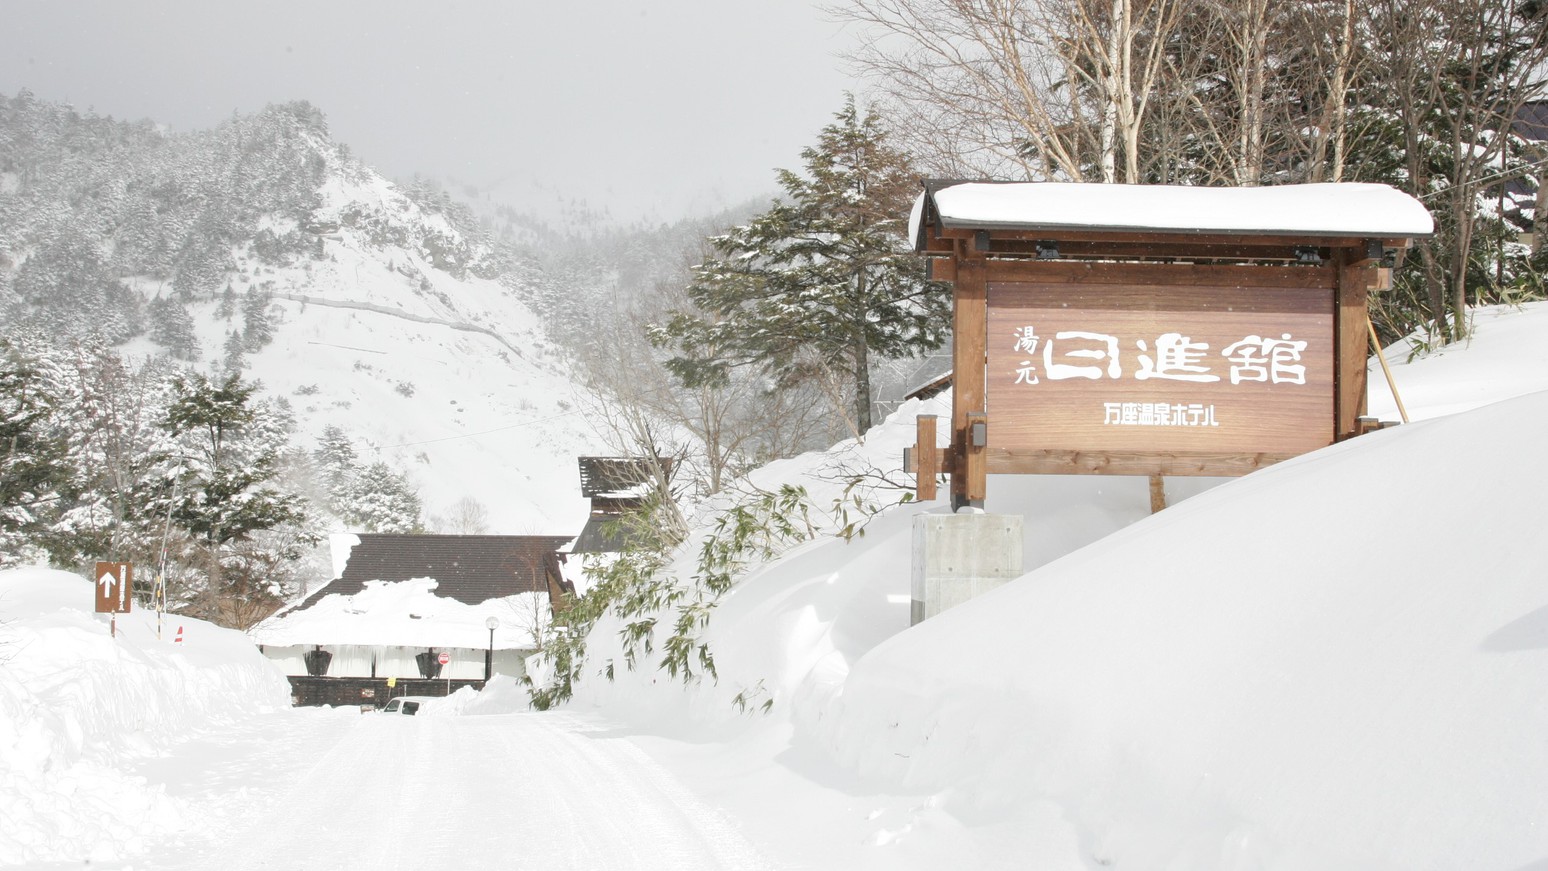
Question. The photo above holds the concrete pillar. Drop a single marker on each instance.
(959, 556)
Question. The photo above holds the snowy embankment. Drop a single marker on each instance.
(79, 708)
(1338, 662)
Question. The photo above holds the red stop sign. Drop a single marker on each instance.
(444, 657)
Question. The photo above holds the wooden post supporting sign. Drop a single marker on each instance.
(927, 458)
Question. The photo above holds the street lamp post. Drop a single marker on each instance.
(492, 623)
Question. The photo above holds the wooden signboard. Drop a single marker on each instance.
(1096, 330)
(1113, 364)
(115, 587)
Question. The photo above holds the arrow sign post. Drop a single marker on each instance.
(114, 586)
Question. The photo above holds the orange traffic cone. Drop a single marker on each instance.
(178, 638)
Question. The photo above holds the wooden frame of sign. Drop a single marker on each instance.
(1144, 351)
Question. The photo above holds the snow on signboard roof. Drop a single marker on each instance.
(1304, 209)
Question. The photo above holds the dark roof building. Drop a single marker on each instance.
(468, 568)
(615, 486)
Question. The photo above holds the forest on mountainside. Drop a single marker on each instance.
(715, 343)
(116, 231)
(1438, 98)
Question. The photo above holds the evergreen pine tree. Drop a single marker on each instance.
(257, 323)
(231, 451)
(33, 445)
(337, 461)
(232, 359)
(172, 327)
(382, 500)
(822, 281)
(227, 306)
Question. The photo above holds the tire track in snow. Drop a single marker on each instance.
(545, 792)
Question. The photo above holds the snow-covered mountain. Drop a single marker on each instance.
(449, 377)
(383, 311)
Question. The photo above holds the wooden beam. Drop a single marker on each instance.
(1001, 270)
(1111, 250)
(1352, 343)
(927, 458)
(969, 329)
(1002, 461)
(1149, 276)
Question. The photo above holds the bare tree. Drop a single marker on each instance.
(1455, 74)
(1039, 89)
(466, 516)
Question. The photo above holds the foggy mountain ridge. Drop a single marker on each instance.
(388, 311)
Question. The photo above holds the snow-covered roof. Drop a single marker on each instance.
(410, 614)
(426, 591)
(468, 568)
(1374, 210)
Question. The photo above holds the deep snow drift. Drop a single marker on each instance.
(78, 708)
(1337, 662)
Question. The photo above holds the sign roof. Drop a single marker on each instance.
(1373, 210)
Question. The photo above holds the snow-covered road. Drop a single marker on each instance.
(311, 789)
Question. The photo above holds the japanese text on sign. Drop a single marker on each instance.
(1174, 357)
(1158, 414)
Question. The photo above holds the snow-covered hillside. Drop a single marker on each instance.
(385, 311)
(1338, 662)
(449, 377)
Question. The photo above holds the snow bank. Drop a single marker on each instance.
(1334, 663)
(792, 629)
(78, 708)
(1337, 662)
(1506, 356)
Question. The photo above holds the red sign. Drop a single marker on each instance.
(444, 658)
(115, 586)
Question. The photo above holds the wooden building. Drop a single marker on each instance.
(615, 486)
(400, 601)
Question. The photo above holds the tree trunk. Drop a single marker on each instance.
(1539, 203)
(862, 360)
(1338, 129)
(1253, 45)
(1111, 93)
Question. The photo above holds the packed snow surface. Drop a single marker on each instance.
(80, 708)
(1339, 662)
(1345, 209)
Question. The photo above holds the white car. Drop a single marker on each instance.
(408, 705)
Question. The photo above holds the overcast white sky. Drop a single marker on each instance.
(650, 109)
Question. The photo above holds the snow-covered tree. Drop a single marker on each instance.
(233, 353)
(822, 281)
(115, 507)
(257, 322)
(381, 500)
(172, 327)
(33, 445)
(336, 459)
(230, 450)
